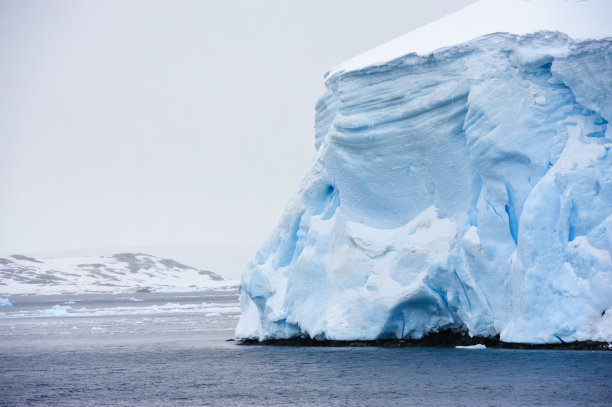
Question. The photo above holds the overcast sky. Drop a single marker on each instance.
(130, 123)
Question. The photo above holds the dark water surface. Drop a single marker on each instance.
(170, 350)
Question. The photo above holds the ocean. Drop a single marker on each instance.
(172, 349)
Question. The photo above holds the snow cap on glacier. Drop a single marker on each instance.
(580, 19)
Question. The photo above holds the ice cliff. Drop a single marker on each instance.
(468, 188)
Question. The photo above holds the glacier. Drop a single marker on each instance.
(466, 189)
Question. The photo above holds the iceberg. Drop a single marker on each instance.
(466, 188)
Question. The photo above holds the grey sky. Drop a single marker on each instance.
(168, 123)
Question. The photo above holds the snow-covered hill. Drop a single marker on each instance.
(469, 188)
(123, 272)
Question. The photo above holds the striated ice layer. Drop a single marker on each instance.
(467, 189)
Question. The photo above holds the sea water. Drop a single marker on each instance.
(155, 349)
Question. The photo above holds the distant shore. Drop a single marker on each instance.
(442, 339)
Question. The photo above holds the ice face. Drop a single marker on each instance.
(468, 189)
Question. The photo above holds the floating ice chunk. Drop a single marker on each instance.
(479, 346)
(56, 310)
(5, 303)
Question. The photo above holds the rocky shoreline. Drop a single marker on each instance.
(442, 339)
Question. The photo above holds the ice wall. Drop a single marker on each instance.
(470, 188)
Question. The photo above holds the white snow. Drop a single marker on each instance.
(580, 19)
(468, 189)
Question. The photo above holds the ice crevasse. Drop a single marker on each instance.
(469, 188)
